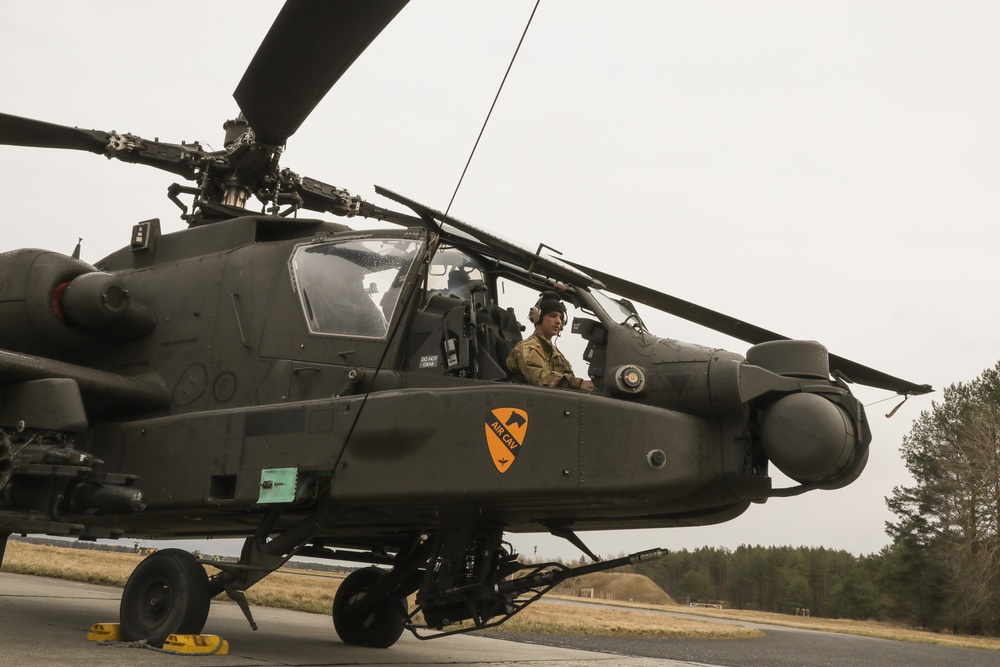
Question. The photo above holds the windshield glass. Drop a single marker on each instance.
(619, 310)
(351, 288)
(454, 273)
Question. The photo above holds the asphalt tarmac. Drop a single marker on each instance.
(45, 622)
(782, 647)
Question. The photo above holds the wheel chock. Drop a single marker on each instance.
(105, 632)
(204, 644)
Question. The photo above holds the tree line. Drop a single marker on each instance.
(941, 570)
(901, 583)
(779, 579)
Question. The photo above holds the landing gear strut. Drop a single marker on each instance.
(465, 579)
(167, 593)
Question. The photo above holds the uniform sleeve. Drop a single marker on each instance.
(537, 372)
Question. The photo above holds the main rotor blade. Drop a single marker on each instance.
(309, 46)
(18, 131)
(852, 371)
(684, 309)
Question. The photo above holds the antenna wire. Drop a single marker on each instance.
(492, 106)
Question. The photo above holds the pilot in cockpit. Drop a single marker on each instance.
(536, 360)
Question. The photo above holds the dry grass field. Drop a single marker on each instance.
(841, 626)
(314, 591)
(551, 617)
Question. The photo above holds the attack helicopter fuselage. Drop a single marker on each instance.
(299, 364)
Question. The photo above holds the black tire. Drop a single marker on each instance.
(168, 593)
(383, 624)
(6, 459)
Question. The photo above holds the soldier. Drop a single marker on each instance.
(536, 360)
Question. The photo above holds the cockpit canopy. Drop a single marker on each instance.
(352, 287)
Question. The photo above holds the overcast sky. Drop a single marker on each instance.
(826, 170)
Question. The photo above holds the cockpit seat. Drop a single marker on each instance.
(498, 332)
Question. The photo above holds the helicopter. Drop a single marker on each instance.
(323, 391)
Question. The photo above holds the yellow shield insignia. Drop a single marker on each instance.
(505, 429)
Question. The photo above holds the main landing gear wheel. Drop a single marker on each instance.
(168, 593)
(381, 626)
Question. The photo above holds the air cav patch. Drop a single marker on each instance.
(505, 429)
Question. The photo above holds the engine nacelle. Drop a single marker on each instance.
(53, 305)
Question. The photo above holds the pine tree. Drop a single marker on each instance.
(947, 536)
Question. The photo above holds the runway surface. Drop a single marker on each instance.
(781, 647)
(45, 621)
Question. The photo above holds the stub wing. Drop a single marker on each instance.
(49, 394)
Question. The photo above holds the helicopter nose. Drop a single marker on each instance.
(808, 438)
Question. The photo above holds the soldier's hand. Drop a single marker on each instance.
(587, 385)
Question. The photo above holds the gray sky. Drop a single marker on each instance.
(826, 170)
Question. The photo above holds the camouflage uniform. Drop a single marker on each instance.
(537, 362)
